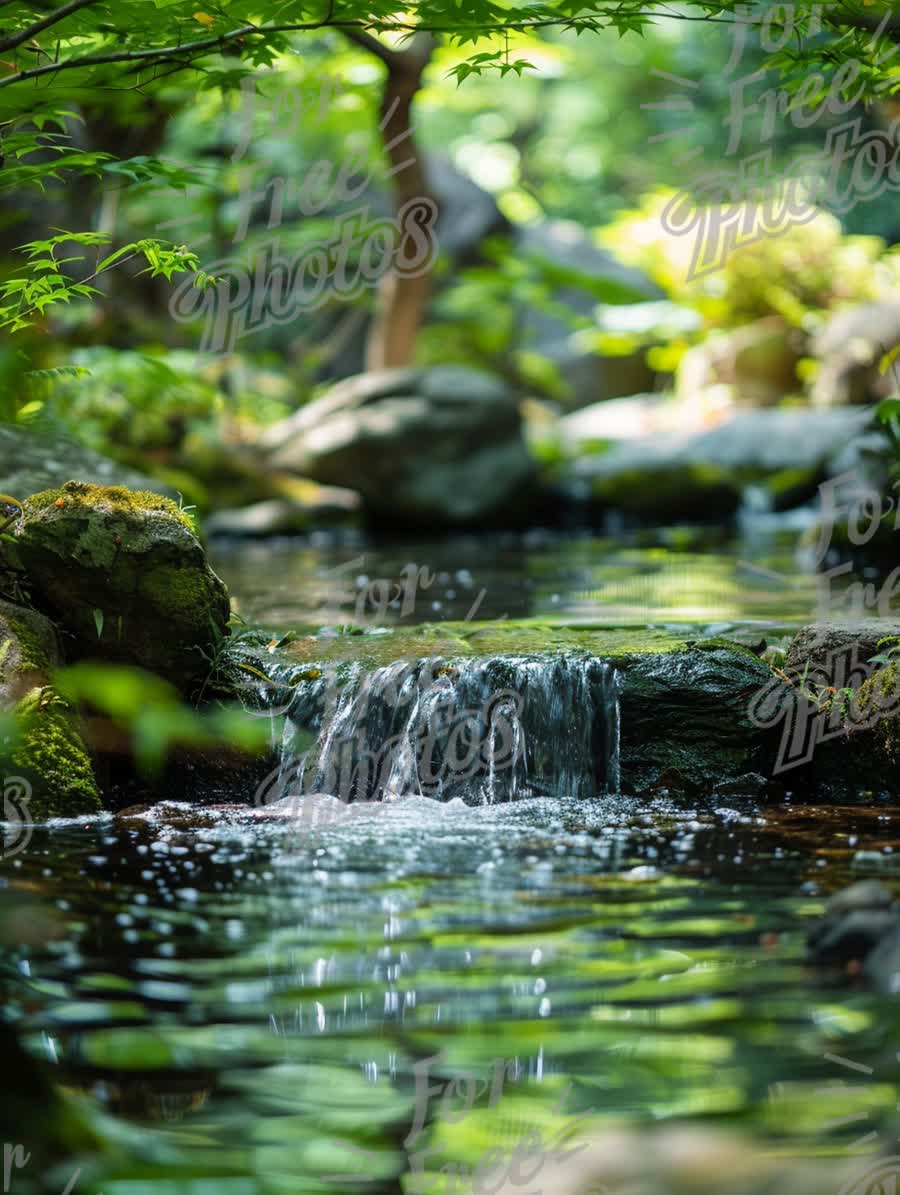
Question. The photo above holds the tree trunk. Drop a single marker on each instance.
(401, 297)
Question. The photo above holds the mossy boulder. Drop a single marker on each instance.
(846, 746)
(123, 575)
(50, 754)
(48, 751)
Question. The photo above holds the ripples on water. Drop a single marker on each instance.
(253, 991)
(257, 994)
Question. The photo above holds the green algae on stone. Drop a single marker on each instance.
(50, 754)
(124, 575)
(477, 640)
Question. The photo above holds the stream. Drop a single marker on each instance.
(375, 1001)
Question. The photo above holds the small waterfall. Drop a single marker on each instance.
(610, 687)
(484, 731)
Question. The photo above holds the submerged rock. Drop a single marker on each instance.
(440, 445)
(676, 1159)
(49, 754)
(860, 931)
(855, 920)
(122, 573)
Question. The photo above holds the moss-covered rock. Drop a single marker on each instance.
(47, 749)
(876, 712)
(28, 651)
(50, 754)
(122, 573)
(829, 650)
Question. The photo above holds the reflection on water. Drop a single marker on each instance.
(377, 1002)
(277, 1003)
(586, 580)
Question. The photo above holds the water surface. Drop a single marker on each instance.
(373, 1000)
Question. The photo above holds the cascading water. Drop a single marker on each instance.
(484, 731)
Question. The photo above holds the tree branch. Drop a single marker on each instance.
(357, 31)
(367, 42)
(24, 35)
(169, 53)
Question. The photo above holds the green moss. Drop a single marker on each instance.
(51, 755)
(876, 708)
(181, 591)
(117, 498)
(23, 626)
(483, 640)
(99, 525)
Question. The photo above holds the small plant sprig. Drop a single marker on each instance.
(826, 698)
(44, 283)
(891, 655)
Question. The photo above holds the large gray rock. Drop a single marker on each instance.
(824, 646)
(849, 349)
(327, 507)
(43, 459)
(667, 476)
(421, 445)
(632, 418)
(761, 442)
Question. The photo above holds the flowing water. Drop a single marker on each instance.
(481, 730)
(375, 997)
